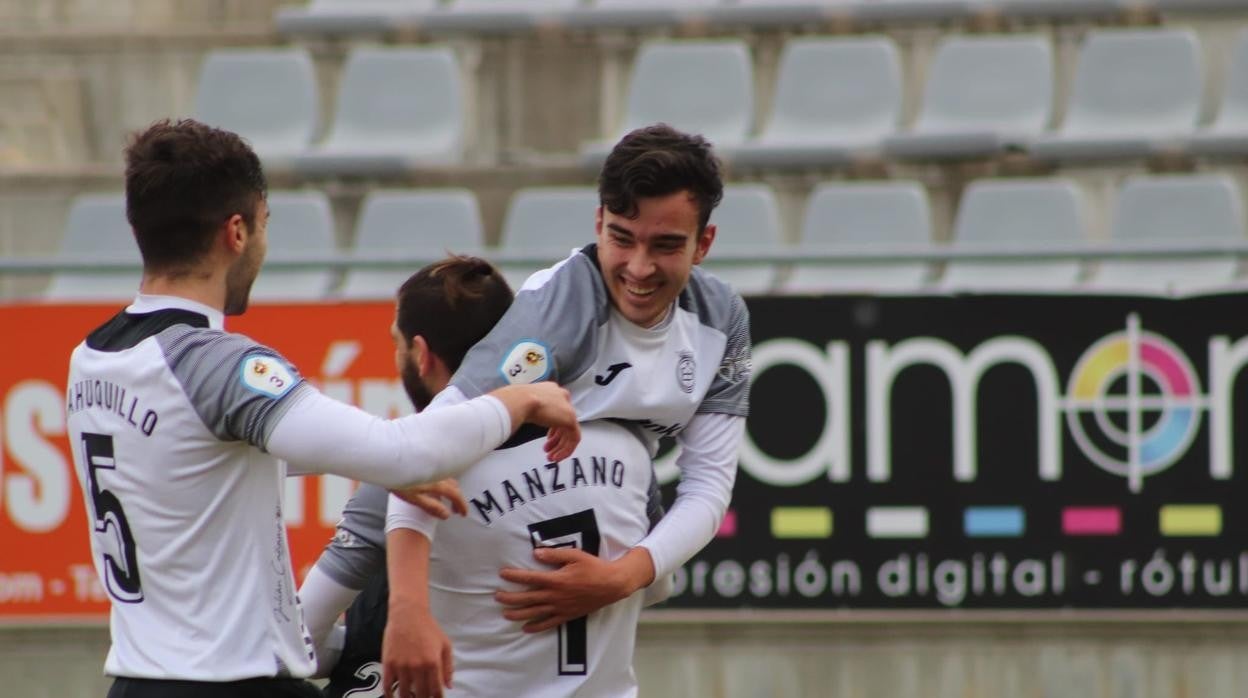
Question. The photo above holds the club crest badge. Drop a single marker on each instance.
(527, 362)
(267, 375)
(686, 371)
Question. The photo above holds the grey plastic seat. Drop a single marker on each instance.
(916, 10)
(1135, 93)
(1025, 213)
(983, 95)
(747, 217)
(397, 109)
(330, 17)
(1228, 134)
(1185, 209)
(835, 100)
(1058, 9)
(494, 16)
(433, 222)
(704, 87)
(636, 14)
(300, 224)
(547, 222)
(97, 228)
(765, 13)
(866, 216)
(268, 97)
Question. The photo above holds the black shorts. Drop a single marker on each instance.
(359, 667)
(125, 687)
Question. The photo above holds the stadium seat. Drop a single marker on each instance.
(1178, 209)
(868, 217)
(268, 96)
(1058, 9)
(835, 100)
(547, 222)
(983, 95)
(917, 10)
(770, 13)
(1022, 212)
(1228, 134)
(329, 17)
(428, 223)
(494, 16)
(398, 109)
(704, 87)
(1135, 93)
(96, 228)
(636, 14)
(300, 224)
(748, 217)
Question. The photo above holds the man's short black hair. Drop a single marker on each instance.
(658, 160)
(184, 179)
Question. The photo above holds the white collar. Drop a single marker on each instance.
(149, 302)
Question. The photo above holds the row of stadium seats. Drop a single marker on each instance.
(499, 16)
(1135, 94)
(886, 218)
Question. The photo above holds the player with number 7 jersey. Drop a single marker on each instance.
(594, 501)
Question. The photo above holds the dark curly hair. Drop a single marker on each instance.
(658, 160)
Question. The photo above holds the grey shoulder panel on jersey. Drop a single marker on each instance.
(357, 551)
(722, 309)
(562, 315)
(239, 388)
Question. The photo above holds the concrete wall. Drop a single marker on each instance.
(873, 658)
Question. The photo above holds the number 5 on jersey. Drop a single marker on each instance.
(579, 530)
(121, 580)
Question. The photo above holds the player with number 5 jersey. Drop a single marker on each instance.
(181, 434)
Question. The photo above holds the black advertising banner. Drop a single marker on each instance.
(988, 452)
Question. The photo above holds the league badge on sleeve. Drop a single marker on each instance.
(267, 375)
(527, 362)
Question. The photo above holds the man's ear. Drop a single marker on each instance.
(703, 243)
(420, 354)
(234, 234)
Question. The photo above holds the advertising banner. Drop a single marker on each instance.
(902, 453)
(988, 452)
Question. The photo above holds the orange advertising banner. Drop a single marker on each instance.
(46, 572)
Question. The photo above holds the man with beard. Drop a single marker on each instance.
(516, 499)
(181, 432)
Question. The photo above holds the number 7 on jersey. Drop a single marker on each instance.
(579, 530)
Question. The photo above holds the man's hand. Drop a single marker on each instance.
(429, 498)
(583, 584)
(545, 404)
(415, 654)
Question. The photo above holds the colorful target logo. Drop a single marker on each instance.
(1134, 403)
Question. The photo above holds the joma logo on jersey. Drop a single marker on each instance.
(612, 371)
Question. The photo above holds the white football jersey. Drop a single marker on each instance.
(562, 327)
(594, 501)
(168, 418)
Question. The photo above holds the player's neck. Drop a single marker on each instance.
(209, 291)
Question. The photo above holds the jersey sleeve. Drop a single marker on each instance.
(730, 388)
(548, 333)
(239, 388)
(357, 550)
